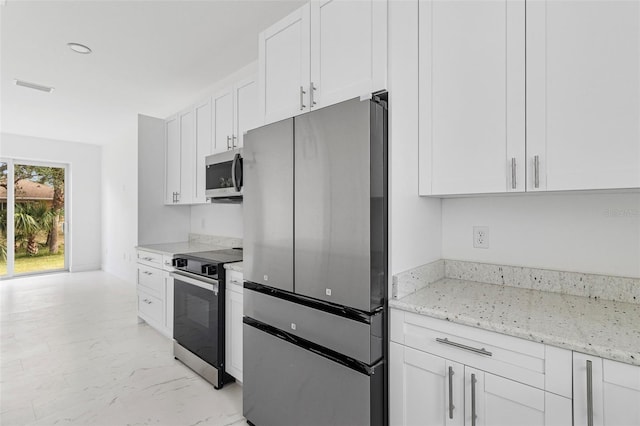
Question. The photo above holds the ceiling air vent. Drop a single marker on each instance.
(33, 86)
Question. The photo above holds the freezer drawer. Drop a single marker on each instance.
(347, 331)
(286, 384)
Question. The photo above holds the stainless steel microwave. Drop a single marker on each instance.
(224, 176)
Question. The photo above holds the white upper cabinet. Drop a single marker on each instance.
(223, 120)
(284, 61)
(203, 147)
(187, 156)
(323, 53)
(472, 96)
(235, 110)
(348, 49)
(172, 160)
(579, 62)
(583, 94)
(245, 111)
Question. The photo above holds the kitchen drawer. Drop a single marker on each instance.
(357, 339)
(151, 279)
(150, 258)
(518, 359)
(234, 281)
(150, 308)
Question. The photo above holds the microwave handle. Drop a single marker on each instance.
(236, 166)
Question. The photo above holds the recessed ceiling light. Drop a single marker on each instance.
(33, 86)
(79, 48)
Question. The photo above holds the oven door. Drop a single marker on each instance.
(196, 324)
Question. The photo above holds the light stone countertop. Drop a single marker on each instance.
(604, 328)
(235, 266)
(182, 247)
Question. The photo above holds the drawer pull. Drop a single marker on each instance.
(147, 301)
(481, 351)
(147, 273)
(235, 282)
(148, 258)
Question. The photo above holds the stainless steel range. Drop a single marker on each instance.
(199, 312)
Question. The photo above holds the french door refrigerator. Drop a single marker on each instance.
(315, 268)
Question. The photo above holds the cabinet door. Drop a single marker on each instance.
(187, 156)
(172, 160)
(222, 104)
(472, 96)
(284, 61)
(424, 389)
(583, 94)
(614, 392)
(203, 148)
(348, 49)
(496, 401)
(246, 115)
(233, 339)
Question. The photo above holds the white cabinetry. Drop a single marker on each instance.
(443, 374)
(607, 392)
(325, 52)
(579, 62)
(583, 94)
(235, 111)
(188, 141)
(233, 330)
(472, 87)
(155, 291)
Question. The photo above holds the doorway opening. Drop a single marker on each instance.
(32, 218)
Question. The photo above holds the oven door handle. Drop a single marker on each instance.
(197, 282)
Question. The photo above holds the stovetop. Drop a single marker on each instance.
(215, 256)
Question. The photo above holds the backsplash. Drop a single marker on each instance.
(215, 240)
(619, 289)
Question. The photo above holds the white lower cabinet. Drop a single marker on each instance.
(233, 327)
(155, 291)
(605, 393)
(453, 375)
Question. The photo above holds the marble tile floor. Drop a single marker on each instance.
(73, 352)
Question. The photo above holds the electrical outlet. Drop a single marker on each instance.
(481, 237)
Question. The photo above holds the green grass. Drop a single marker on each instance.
(42, 262)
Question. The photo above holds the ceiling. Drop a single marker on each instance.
(149, 57)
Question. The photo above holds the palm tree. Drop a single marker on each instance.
(30, 219)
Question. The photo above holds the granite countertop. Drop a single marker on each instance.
(235, 266)
(182, 247)
(609, 329)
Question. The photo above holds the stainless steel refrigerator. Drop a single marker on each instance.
(315, 268)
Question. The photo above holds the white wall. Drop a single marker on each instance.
(157, 223)
(84, 200)
(120, 212)
(217, 219)
(593, 233)
(414, 223)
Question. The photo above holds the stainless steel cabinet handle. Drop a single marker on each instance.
(147, 258)
(147, 301)
(235, 282)
(228, 140)
(536, 171)
(177, 197)
(473, 400)
(147, 273)
(233, 141)
(481, 351)
(589, 393)
(302, 93)
(451, 406)
(312, 89)
(513, 173)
